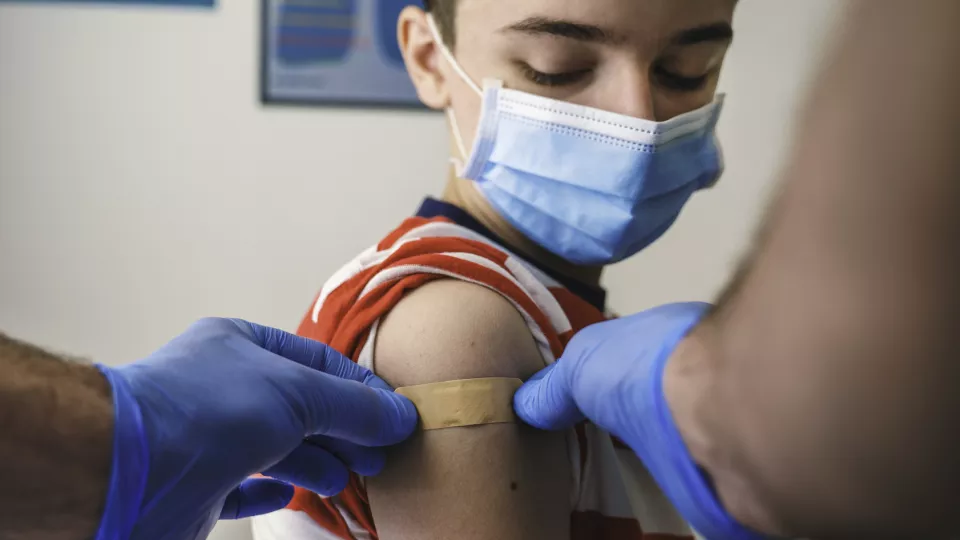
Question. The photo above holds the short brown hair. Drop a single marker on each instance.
(444, 13)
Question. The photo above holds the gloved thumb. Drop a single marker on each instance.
(546, 400)
(256, 496)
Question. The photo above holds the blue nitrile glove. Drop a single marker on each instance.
(612, 374)
(228, 399)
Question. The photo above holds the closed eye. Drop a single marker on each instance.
(680, 83)
(553, 79)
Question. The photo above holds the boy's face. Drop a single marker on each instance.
(652, 59)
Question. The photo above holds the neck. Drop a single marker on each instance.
(465, 195)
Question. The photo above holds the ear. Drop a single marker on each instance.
(422, 57)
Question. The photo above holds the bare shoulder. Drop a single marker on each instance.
(497, 481)
(451, 329)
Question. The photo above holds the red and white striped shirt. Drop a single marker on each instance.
(614, 498)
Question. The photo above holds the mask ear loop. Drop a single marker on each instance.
(458, 163)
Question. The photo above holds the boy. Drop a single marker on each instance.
(580, 129)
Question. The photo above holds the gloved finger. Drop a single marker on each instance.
(309, 353)
(256, 496)
(313, 468)
(350, 410)
(363, 460)
(546, 401)
(332, 395)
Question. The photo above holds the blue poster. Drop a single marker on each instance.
(207, 3)
(340, 52)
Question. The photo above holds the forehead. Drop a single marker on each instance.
(633, 20)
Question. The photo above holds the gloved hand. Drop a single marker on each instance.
(228, 399)
(612, 374)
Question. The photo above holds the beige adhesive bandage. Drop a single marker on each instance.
(468, 402)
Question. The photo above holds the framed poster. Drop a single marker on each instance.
(333, 52)
(205, 3)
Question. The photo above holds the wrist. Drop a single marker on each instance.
(687, 391)
(128, 472)
(657, 440)
(55, 441)
(694, 394)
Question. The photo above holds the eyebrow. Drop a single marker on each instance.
(719, 31)
(564, 29)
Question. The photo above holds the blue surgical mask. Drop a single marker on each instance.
(591, 186)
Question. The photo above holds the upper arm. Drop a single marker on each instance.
(497, 481)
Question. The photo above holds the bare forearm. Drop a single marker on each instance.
(821, 395)
(56, 420)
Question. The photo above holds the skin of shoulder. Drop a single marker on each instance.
(451, 329)
(498, 481)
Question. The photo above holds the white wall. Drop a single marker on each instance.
(143, 186)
